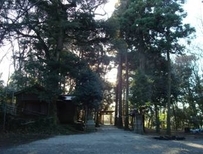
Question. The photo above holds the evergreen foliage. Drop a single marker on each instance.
(89, 90)
(61, 44)
(152, 29)
(58, 41)
(141, 89)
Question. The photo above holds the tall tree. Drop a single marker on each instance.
(154, 26)
(190, 86)
(46, 32)
(89, 89)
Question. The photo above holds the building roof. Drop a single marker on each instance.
(32, 89)
(66, 97)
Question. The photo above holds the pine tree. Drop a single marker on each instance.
(51, 35)
(153, 27)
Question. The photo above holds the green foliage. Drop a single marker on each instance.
(154, 25)
(190, 85)
(89, 89)
(112, 27)
(108, 95)
(141, 89)
(150, 29)
(58, 43)
(55, 41)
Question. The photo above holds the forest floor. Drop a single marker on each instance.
(177, 133)
(14, 138)
(10, 139)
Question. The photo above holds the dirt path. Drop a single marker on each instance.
(107, 140)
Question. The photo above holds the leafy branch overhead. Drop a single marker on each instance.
(62, 46)
(54, 43)
(89, 89)
(152, 30)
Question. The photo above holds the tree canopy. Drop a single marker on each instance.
(62, 46)
(56, 42)
(152, 30)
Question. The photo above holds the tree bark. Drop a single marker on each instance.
(120, 120)
(127, 93)
(168, 130)
(116, 105)
(157, 119)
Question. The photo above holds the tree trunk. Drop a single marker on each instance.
(168, 130)
(53, 112)
(127, 93)
(157, 119)
(116, 105)
(97, 119)
(120, 120)
(143, 122)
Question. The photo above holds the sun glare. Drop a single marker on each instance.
(105, 11)
(111, 75)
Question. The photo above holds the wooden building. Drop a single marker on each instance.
(67, 111)
(29, 104)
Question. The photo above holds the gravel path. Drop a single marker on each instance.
(107, 140)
